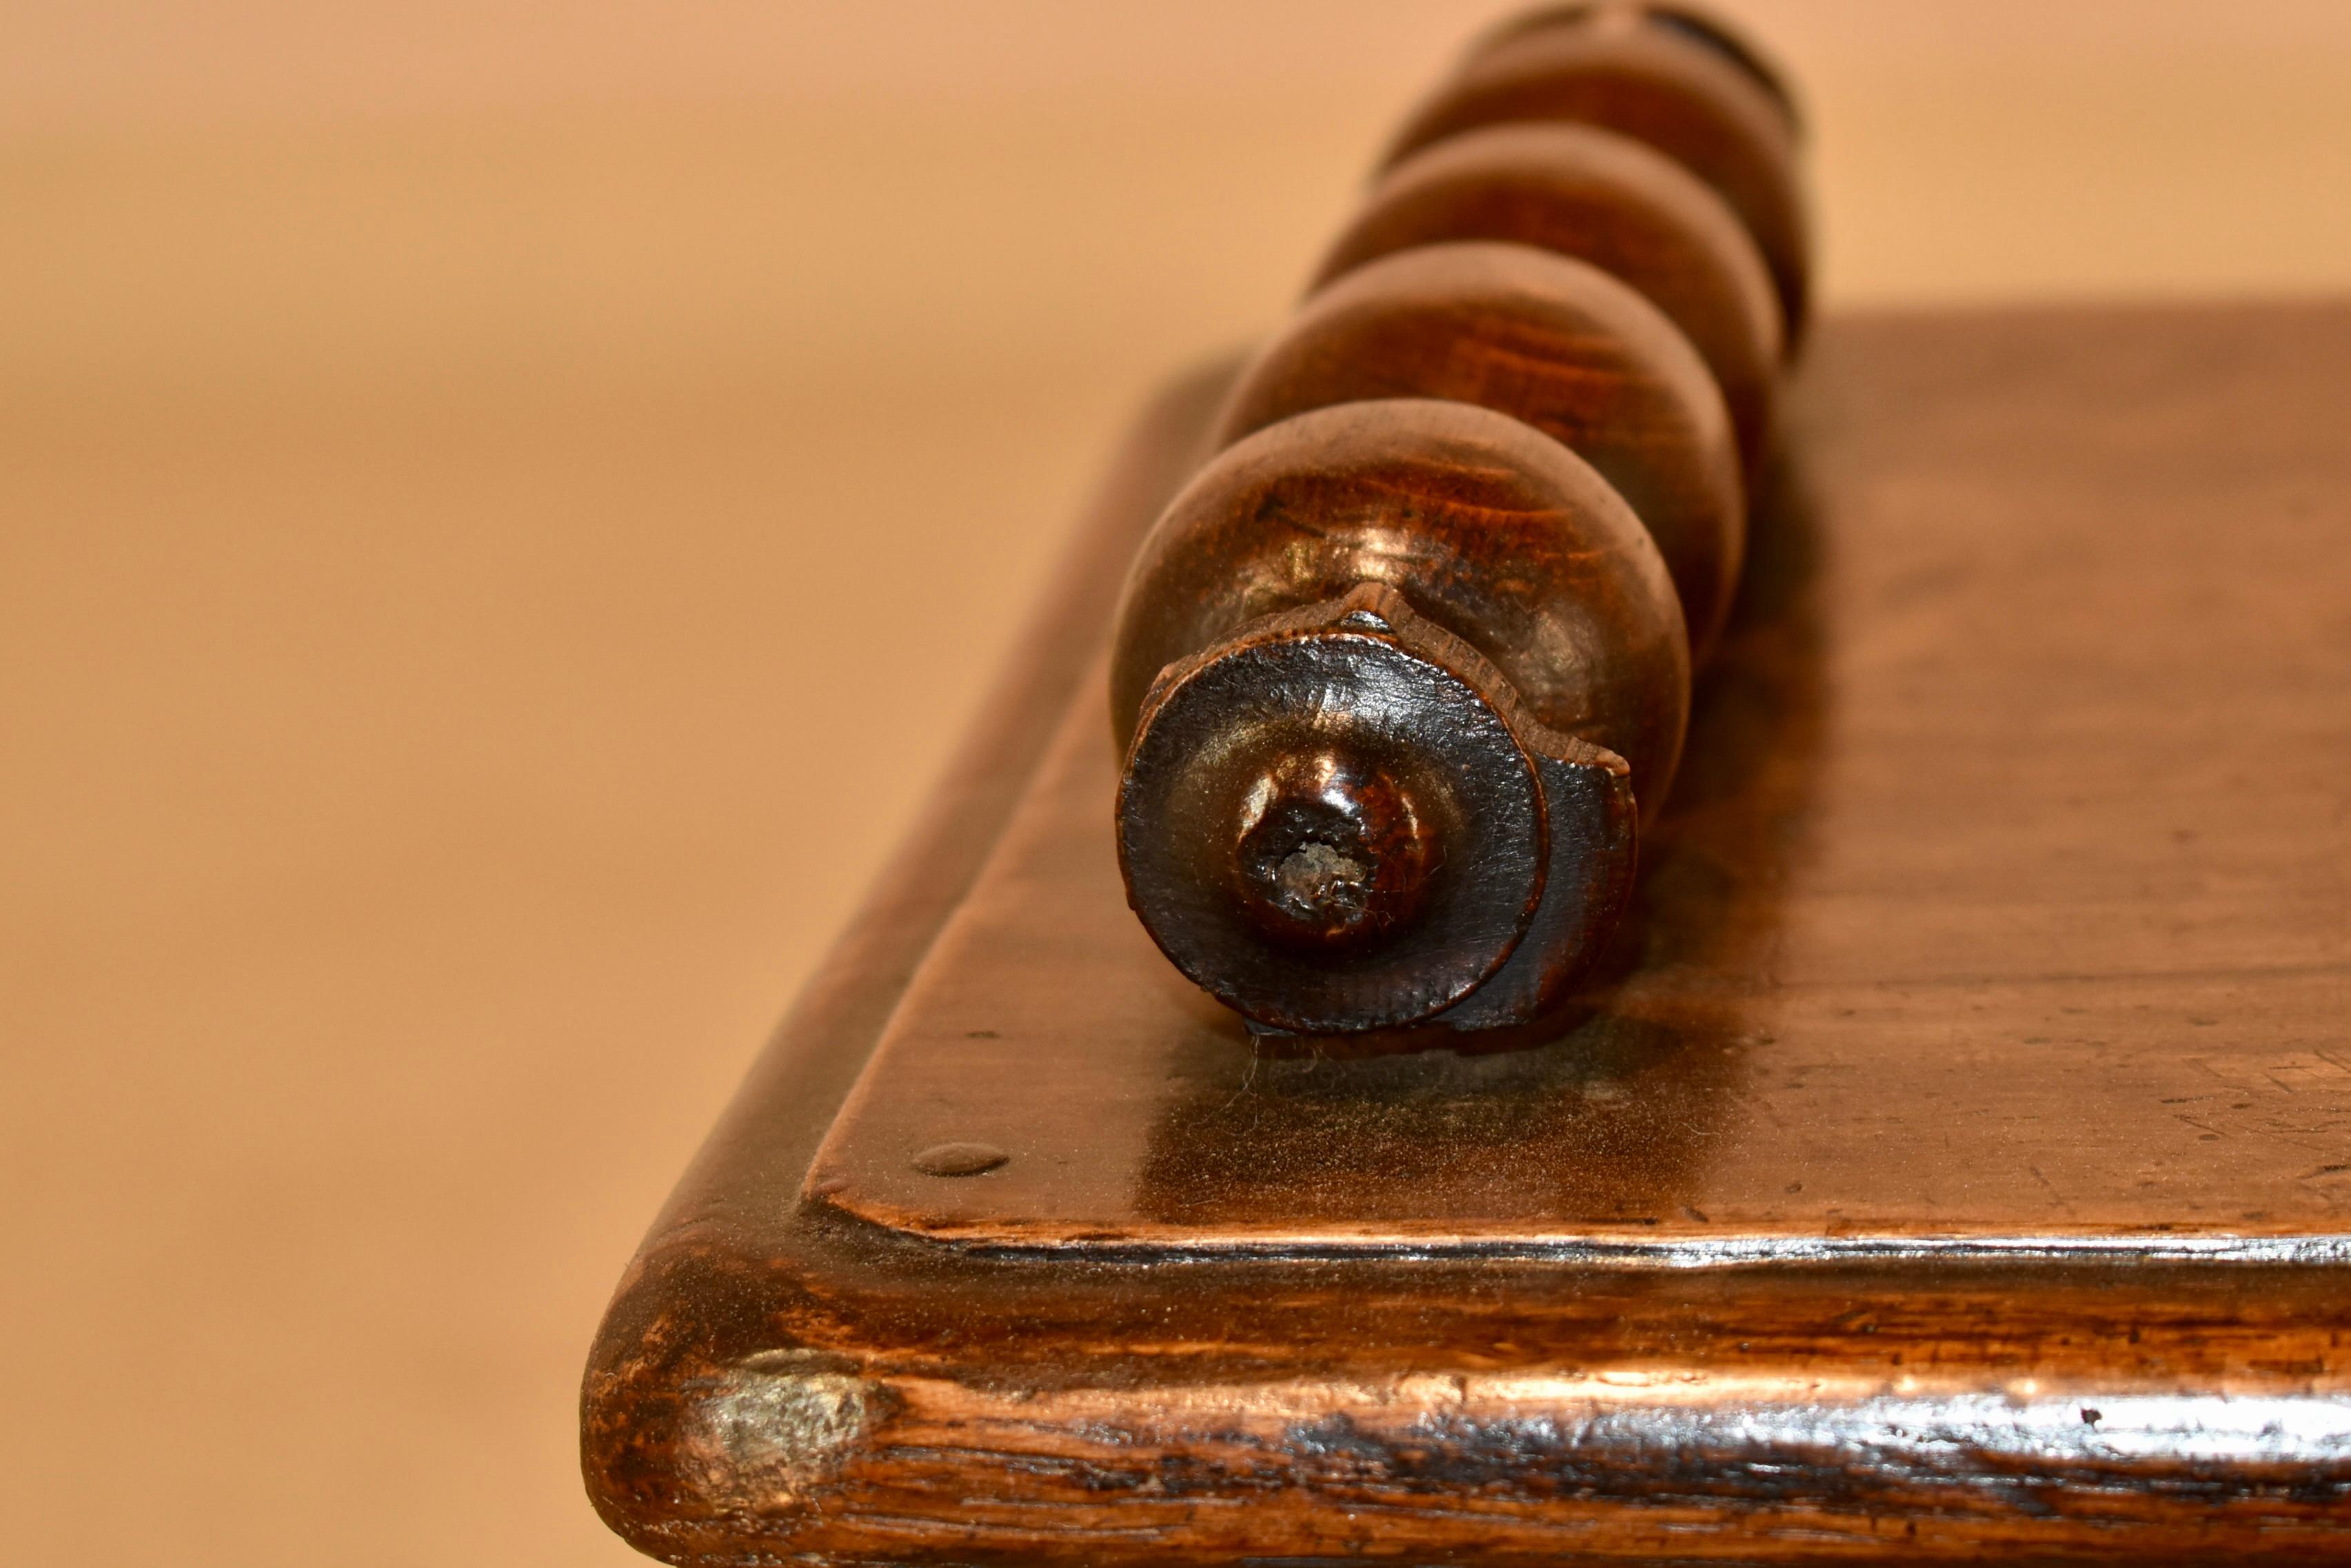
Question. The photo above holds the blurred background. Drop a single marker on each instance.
(504, 508)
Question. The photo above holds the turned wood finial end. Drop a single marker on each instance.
(1341, 819)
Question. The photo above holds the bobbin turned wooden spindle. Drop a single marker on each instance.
(1695, 23)
(1546, 340)
(1605, 198)
(1341, 814)
(1402, 670)
(1001, 1257)
(1667, 75)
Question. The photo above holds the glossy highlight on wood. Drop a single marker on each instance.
(1622, 67)
(1959, 1170)
(1607, 199)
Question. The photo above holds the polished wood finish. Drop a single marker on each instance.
(1552, 342)
(1325, 819)
(1961, 1164)
(1697, 23)
(1341, 819)
(1304, 825)
(1342, 811)
(1620, 68)
(1605, 198)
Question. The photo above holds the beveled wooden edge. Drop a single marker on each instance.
(779, 1115)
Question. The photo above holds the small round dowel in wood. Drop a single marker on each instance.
(1681, 97)
(1605, 199)
(1551, 341)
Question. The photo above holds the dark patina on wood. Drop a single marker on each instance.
(1958, 1162)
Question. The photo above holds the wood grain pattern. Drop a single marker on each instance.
(1607, 199)
(1336, 818)
(2011, 848)
(1309, 843)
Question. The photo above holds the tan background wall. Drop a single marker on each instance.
(502, 508)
